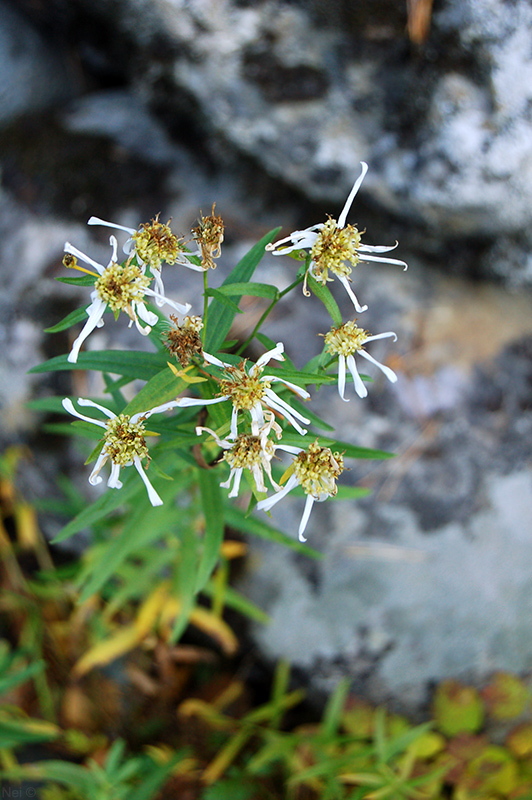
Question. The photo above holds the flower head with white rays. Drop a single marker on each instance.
(153, 244)
(344, 342)
(250, 390)
(123, 443)
(253, 451)
(121, 287)
(335, 247)
(315, 471)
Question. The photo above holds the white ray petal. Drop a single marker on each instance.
(269, 502)
(360, 388)
(390, 374)
(383, 260)
(343, 216)
(155, 410)
(98, 221)
(92, 404)
(297, 389)
(69, 406)
(154, 498)
(236, 484)
(306, 516)
(382, 336)
(97, 308)
(341, 378)
(69, 248)
(114, 482)
(275, 353)
(95, 477)
(183, 309)
(345, 283)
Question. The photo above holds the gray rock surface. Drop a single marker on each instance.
(445, 126)
(33, 74)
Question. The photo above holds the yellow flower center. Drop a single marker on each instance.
(244, 390)
(345, 340)
(119, 285)
(124, 440)
(155, 243)
(334, 247)
(247, 452)
(317, 469)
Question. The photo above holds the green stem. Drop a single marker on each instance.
(267, 313)
(205, 305)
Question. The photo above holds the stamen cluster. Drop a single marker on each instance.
(124, 440)
(119, 286)
(345, 340)
(317, 469)
(334, 246)
(245, 390)
(155, 243)
(249, 451)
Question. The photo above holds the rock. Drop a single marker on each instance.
(444, 125)
(33, 75)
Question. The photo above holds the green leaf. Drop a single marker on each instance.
(23, 730)
(85, 281)
(79, 315)
(347, 450)
(238, 602)
(142, 529)
(323, 294)
(247, 289)
(8, 682)
(102, 507)
(332, 716)
(185, 579)
(159, 774)
(237, 519)
(160, 389)
(213, 509)
(226, 301)
(220, 318)
(134, 364)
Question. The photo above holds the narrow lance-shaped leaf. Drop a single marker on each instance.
(213, 510)
(322, 293)
(133, 364)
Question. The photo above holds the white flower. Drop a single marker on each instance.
(124, 443)
(335, 246)
(251, 391)
(153, 243)
(122, 288)
(344, 342)
(315, 471)
(253, 451)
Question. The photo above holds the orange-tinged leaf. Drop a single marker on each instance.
(127, 638)
(231, 549)
(506, 696)
(457, 708)
(109, 650)
(519, 741)
(216, 628)
(27, 528)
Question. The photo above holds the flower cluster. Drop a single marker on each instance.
(252, 415)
